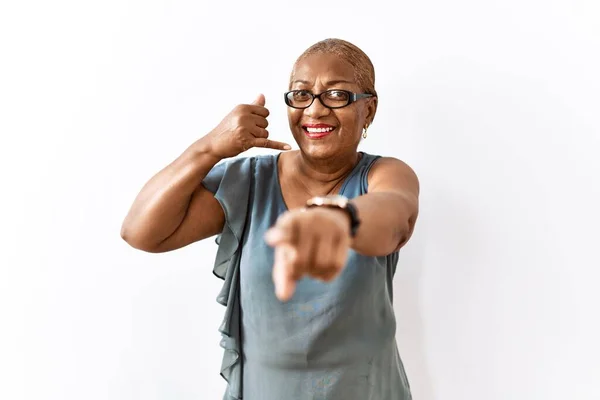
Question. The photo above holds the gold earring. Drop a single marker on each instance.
(364, 134)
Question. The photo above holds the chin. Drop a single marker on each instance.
(318, 151)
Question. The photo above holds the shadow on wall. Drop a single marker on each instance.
(439, 263)
(410, 329)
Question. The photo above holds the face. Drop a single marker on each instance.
(319, 131)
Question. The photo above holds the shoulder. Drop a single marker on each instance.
(391, 171)
(248, 162)
(228, 173)
(261, 168)
(266, 160)
(383, 164)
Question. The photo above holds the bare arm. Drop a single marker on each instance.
(389, 211)
(173, 210)
(315, 242)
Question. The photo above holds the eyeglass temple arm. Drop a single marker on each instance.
(361, 96)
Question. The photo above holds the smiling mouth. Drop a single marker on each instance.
(317, 132)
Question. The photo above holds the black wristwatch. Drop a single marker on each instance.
(341, 202)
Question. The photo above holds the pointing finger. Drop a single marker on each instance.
(271, 144)
(283, 274)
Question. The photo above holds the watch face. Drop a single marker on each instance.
(333, 200)
(338, 199)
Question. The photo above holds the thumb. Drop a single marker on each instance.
(260, 100)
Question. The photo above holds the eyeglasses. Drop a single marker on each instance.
(334, 98)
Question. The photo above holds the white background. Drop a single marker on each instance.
(495, 104)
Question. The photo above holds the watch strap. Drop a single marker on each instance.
(342, 204)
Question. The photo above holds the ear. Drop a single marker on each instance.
(371, 109)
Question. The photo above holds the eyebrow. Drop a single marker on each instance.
(329, 83)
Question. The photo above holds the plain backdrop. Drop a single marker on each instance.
(495, 104)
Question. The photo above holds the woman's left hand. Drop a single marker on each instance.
(310, 242)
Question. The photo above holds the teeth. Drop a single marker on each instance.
(319, 130)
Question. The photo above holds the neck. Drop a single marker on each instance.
(323, 176)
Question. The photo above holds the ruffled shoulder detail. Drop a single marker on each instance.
(235, 195)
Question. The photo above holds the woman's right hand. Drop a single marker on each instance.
(243, 128)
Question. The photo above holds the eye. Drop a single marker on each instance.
(337, 95)
(301, 95)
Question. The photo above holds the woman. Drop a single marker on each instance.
(308, 239)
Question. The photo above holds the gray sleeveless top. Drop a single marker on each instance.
(331, 341)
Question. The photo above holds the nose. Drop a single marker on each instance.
(317, 109)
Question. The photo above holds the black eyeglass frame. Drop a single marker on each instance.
(352, 97)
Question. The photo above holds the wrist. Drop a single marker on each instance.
(339, 203)
(203, 149)
(345, 218)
